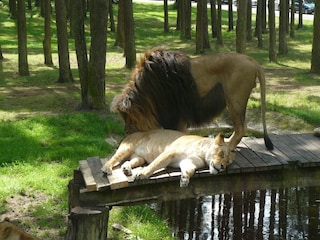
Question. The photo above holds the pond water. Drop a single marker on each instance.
(291, 213)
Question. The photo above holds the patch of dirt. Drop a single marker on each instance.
(19, 211)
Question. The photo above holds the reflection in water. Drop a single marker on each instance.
(292, 213)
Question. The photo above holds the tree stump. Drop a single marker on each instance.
(88, 223)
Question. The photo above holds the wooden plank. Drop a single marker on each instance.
(257, 163)
(283, 144)
(312, 144)
(233, 168)
(87, 176)
(306, 156)
(269, 157)
(281, 157)
(95, 166)
(118, 179)
(245, 165)
(315, 141)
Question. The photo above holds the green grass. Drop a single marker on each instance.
(43, 136)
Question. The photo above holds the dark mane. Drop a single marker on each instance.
(163, 86)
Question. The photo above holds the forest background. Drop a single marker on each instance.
(45, 129)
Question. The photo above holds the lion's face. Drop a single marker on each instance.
(220, 155)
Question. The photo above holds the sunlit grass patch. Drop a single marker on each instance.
(141, 221)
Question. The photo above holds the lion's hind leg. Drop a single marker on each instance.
(134, 162)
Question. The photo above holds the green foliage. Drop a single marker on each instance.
(46, 139)
(141, 221)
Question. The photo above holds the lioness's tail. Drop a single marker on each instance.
(262, 80)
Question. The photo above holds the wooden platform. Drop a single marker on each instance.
(299, 150)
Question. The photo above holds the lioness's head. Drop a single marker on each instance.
(219, 155)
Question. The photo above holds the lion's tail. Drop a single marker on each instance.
(262, 80)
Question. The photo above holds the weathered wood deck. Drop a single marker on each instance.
(294, 162)
(299, 150)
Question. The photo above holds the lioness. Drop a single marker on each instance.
(9, 231)
(161, 148)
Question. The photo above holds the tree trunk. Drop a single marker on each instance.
(29, 5)
(13, 9)
(88, 223)
(292, 12)
(272, 32)
(81, 50)
(214, 23)
(259, 23)
(202, 36)
(241, 27)
(42, 8)
(111, 17)
(315, 56)
(120, 41)
(219, 24)
(249, 21)
(283, 28)
(264, 16)
(300, 24)
(178, 24)
(230, 15)
(22, 39)
(47, 34)
(1, 56)
(65, 74)
(97, 62)
(199, 28)
(166, 16)
(130, 49)
(185, 19)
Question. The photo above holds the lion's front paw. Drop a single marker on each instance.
(106, 169)
(126, 168)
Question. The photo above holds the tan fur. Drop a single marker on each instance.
(237, 73)
(9, 231)
(161, 148)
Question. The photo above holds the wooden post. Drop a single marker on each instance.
(85, 223)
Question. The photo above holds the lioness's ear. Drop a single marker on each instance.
(219, 139)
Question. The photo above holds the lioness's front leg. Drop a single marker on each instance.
(162, 161)
(188, 167)
(127, 166)
(116, 158)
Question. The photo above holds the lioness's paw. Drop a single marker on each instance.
(126, 168)
(106, 169)
(140, 175)
(214, 169)
(184, 182)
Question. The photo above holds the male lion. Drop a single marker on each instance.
(161, 148)
(169, 90)
(8, 231)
